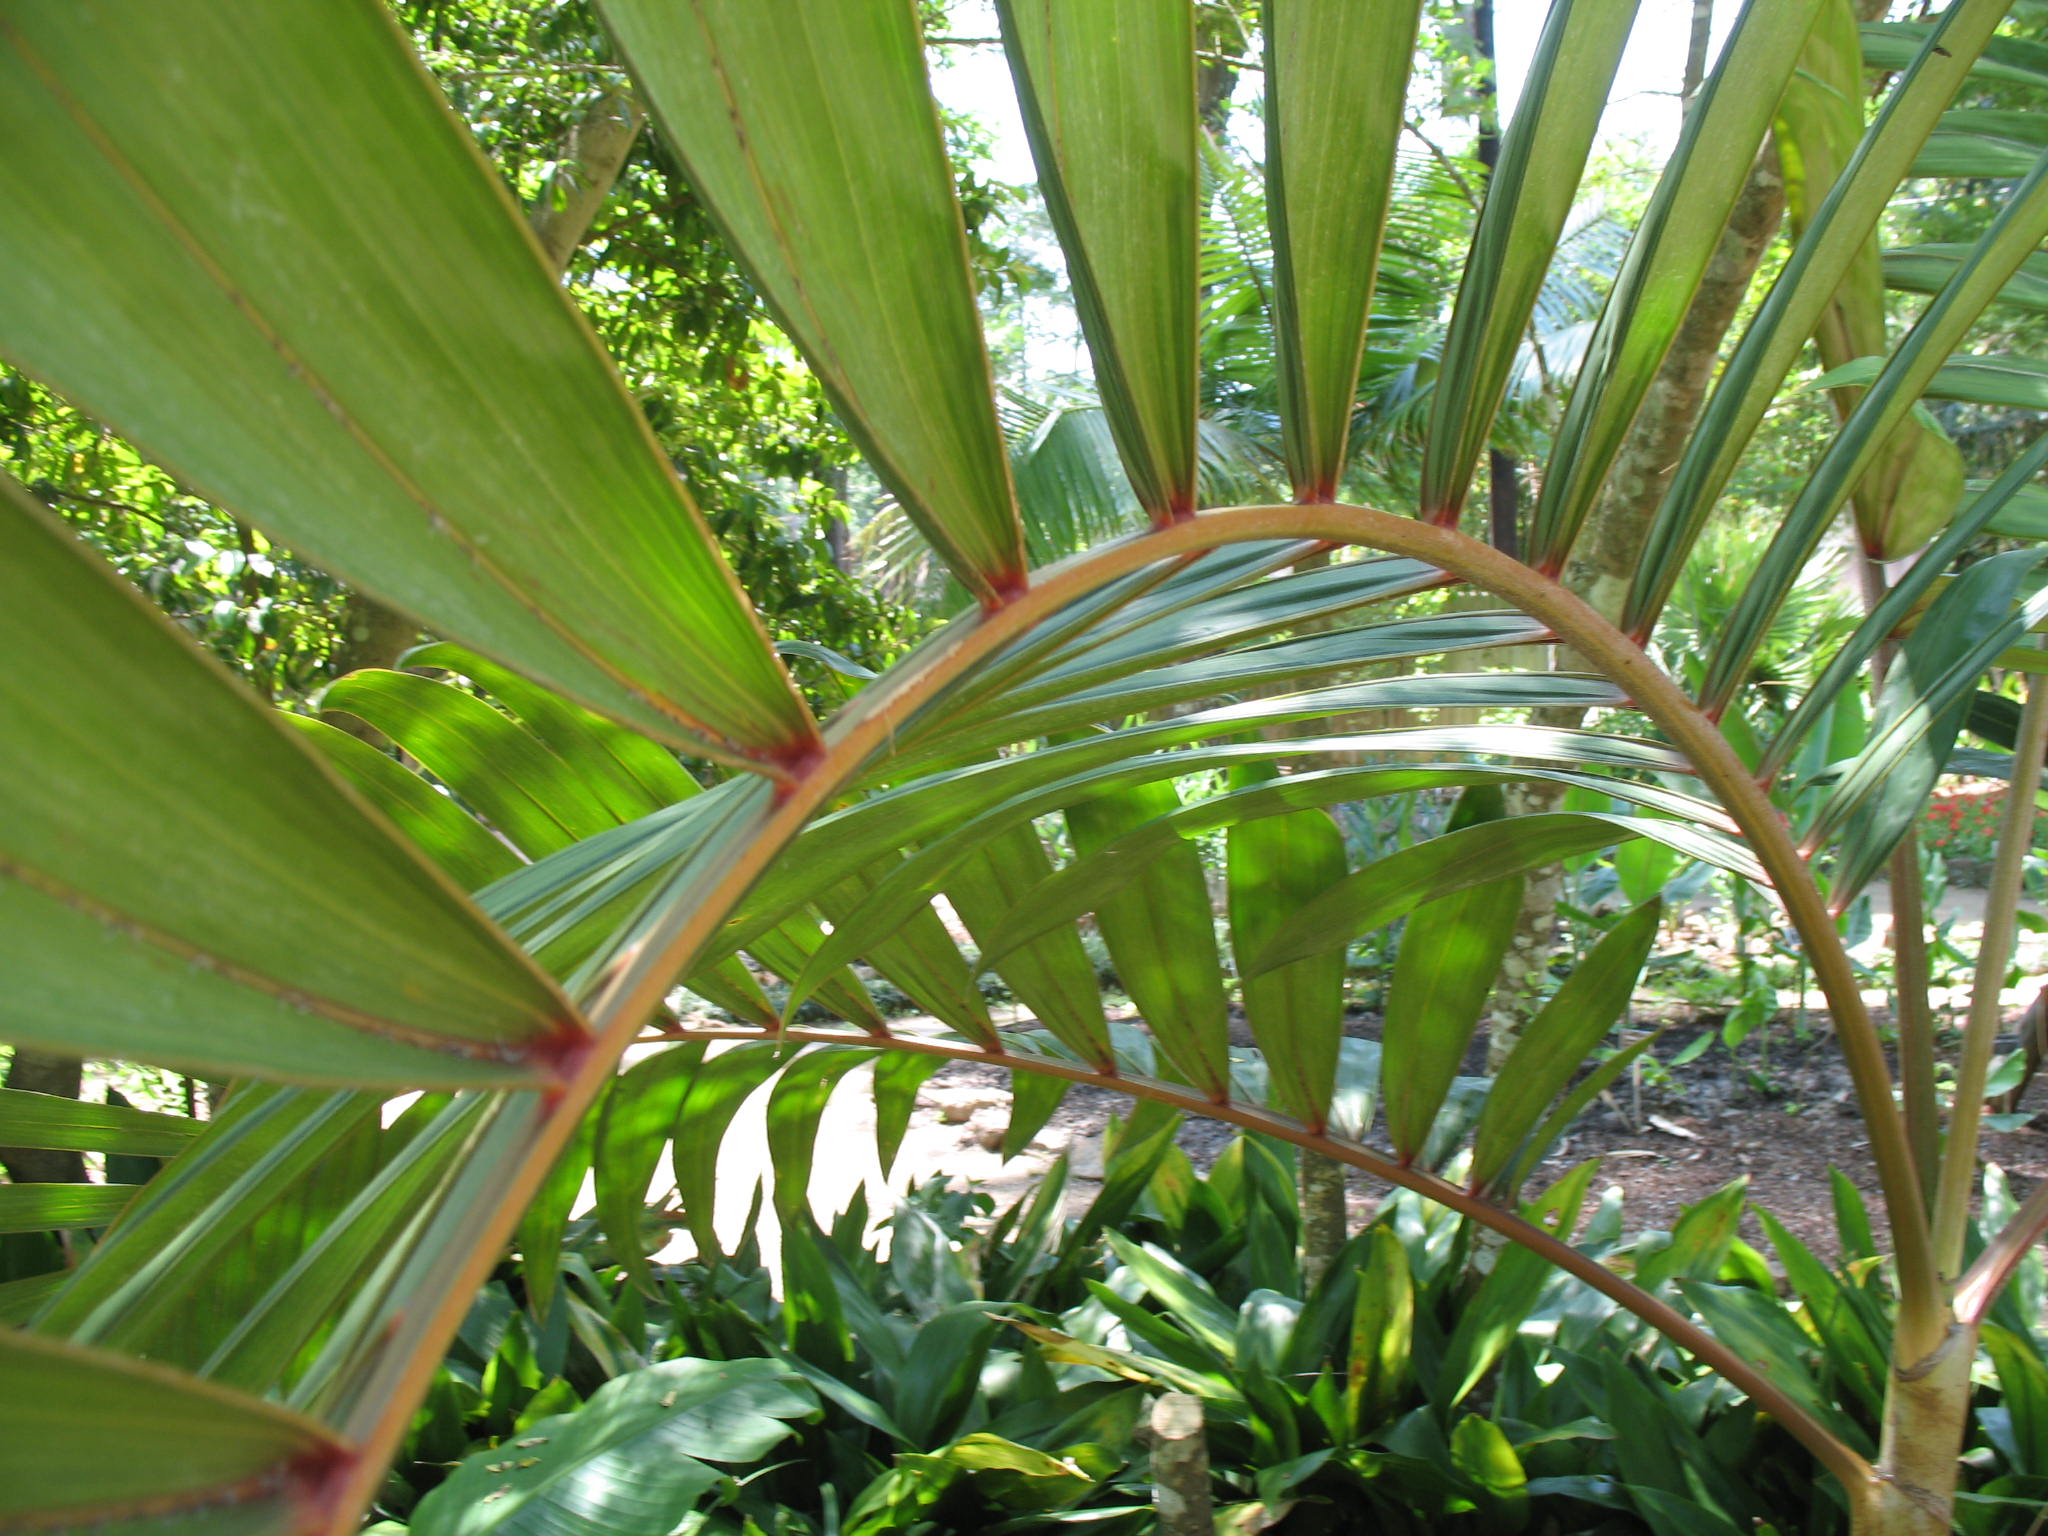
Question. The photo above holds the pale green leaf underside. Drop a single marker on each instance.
(271, 903)
(302, 290)
(808, 128)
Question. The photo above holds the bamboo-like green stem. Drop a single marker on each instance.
(1855, 1474)
(1994, 953)
(1912, 981)
(1978, 1289)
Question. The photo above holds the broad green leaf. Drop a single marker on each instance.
(717, 1089)
(897, 1079)
(48, 1120)
(809, 131)
(54, 1207)
(1296, 1013)
(919, 956)
(1836, 237)
(639, 1115)
(1161, 938)
(1107, 89)
(1382, 1332)
(1911, 491)
(539, 1239)
(795, 1105)
(1236, 672)
(1450, 954)
(1700, 1240)
(1087, 881)
(1528, 199)
(1855, 1351)
(89, 1438)
(1336, 83)
(1490, 1319)
(2012, 60)
(1760, 1328)
(273, 904)
(430, 820)
(631, 1460)
(1483, 1453)
(1554, 1044)
(1666, 259)
(1560, 1119)
(1184, 1294)
(2021, 382)
(316, 232)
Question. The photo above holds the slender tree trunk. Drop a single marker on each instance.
(591, 161)
(1608, 552)
(1180, 1467)
(1325, 1217)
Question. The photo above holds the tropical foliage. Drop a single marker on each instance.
(303, 291)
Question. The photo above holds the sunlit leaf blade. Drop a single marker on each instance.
(1527, 201)
(1834, 240)
(315, 231)
(1926, 695)
(1988, 510)
(2011, 381)
(629, 774)
(267, 1335)
(531, 796)
(2014, 234)
(2013, 60)
(627, 1461)
(639, 1115)
(1086, 882)
(55, 1207)
(1336, 79)
(430, 820)
(1382, 1331)
(1560, 1119)
(809, 131)
(1555, 1043)
(1450, 954)
(152, 1284)
(919, 956)
(1912, 490)
(1393, 886)
(1108, 93)
(717, 1089)
(795, 1105)
(1052, 975)
(1665, 262)
(89, 1438)
(1296, 1013)
(1927, 269)
(47, 1120)
(1161, 939)
(273, 904)
(1297, 660)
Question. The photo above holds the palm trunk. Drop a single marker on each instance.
(1925, 1412)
